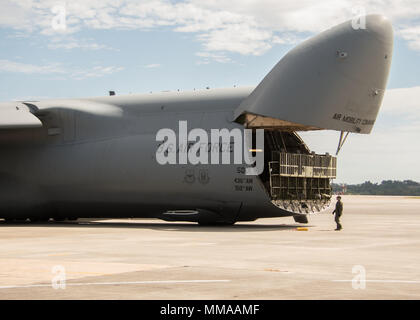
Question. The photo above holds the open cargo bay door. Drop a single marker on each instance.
(335, 81)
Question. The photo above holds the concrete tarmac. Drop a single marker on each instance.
(265, 259)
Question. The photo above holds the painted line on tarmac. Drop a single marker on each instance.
(115, 283)
(382, 281)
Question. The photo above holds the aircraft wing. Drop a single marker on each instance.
(25, 115)
(17, 119)
(17, 116)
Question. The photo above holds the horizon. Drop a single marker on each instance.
(385, 180)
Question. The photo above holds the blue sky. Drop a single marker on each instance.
(142, 46)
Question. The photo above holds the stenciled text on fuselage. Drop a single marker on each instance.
(224, 146)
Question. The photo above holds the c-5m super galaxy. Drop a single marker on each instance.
(96, 157)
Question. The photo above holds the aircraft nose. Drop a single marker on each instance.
(380, 27)
(335, 80)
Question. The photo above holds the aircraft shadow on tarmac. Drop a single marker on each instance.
(184, 227)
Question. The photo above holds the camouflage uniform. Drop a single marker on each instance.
(338, 212)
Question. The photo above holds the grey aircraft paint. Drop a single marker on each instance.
(95, 157)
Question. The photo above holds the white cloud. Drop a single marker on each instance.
(15, 14)
(69, 43)
(94, 72)
(18, 67)
(207, 56)
(219, 30)
(238, 38)
(403, 101)
(57, 69)
(412, 36)
(249, 27)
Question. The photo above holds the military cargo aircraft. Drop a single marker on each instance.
(96, 157)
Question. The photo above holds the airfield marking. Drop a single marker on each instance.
(116, 283)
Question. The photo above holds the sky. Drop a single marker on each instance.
(58, 49)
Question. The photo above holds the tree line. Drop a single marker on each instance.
(386, 187)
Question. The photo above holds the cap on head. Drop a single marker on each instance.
(339, 197)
